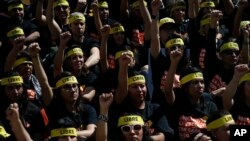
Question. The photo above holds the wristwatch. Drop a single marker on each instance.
(103, 118)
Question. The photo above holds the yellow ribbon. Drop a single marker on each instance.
(166, 20)
(207, 4)
(103, 4)
(130, 120)
(14, 32)
(136, 79)
(76, 16)
(61, 132)
(227, 119)
(245, 77)
(60, 3)
(116, 29)
(12, 80)
(243, 24)
(136, 4)
(66, 80)
(3, 132)
(74, 51)
(14, 6)
(22, 61)
(205, 21)
(119, 53)
(190, 77)
(229, 46)
(172, 42)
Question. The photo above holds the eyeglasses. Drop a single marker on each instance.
(231, 52)
(70, 87)
(128, 128)
(176, 47)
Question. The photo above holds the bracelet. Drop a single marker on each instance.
(103, 118)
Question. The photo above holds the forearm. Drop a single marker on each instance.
(102, 127)
(88, 132)
(229, 6)
(39, 13)
(245, 50)
(155, 38)
(94, 58)
(237, 19)
(33, 37)
(10, 60)
(169, 92)
(122, 89)
(147, 20)
(158, 137)
(103, 55)
(20, 132)
(89, 93)
(98, 22)
(58, 60)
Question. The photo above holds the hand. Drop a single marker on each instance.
(216, 15)
(34, 49)
(18, 43)
(94, 4)
(12, 112)
(155, 5)
(202, 137)
(125, 59)
(105, 30)
(105, 100)
(240, 70)
(64, 38)
(246, 32)
(176, 55)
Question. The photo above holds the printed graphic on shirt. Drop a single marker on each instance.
(242, 120)
(216, 83)
(111, 61)
(189, 125)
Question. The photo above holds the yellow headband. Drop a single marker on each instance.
(22, 61)
(190, 77)
(172, 42)
(135, 5)
(136, 79)
(229, 46)
(243, 24)
(3, 132)
(14, 32)
(116, 29)
(12, 80)
(177, 7)
(119, 53)
(61, 132)
(76, 16)
(130, 120)
(73, 51)
(207, 4)
(244, 78)
(103, 4)
(66, 80)
(166, 20)
(14, 6)
(60, 3)
(220, 122)
(205, 21)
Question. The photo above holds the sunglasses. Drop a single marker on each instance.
(175, 47)
(231, 52)
(128, 128)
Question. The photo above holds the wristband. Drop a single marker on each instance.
(103, 118)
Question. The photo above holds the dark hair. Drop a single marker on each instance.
(67, 66)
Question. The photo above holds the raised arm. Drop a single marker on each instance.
(193, 8)
(228, 6)
(122, 89)
(18, 45)
(103, 49)
(58, 60)
(94, 57)
(155, 37)
(12, 114)
(47, 92)
(105, 100)
(231, 88)
(81, 4)
(244, 53)
(146, 18)
(124, 10)
(98, 22)
(39, 13)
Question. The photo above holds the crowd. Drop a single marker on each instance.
(123, 70)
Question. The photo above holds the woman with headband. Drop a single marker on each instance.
(191, 105)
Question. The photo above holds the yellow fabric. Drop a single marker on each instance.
(76, 16)
(172, 42)
(244, 78)
(22, 61)
(3, 133)
(61, 132)
(227, 119)
(14, 6)
(207, 4)
(191, 77)
(166, 20)
(12, 80)
(243, 24)
(130, 120)
(205, 22)
(136, 79)
(14, 32)
(103, 4)
(60, 3)
(135, 5)
(119, 53)
(116, 30)
(74, 51)
(66, 80)
(229, 46)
